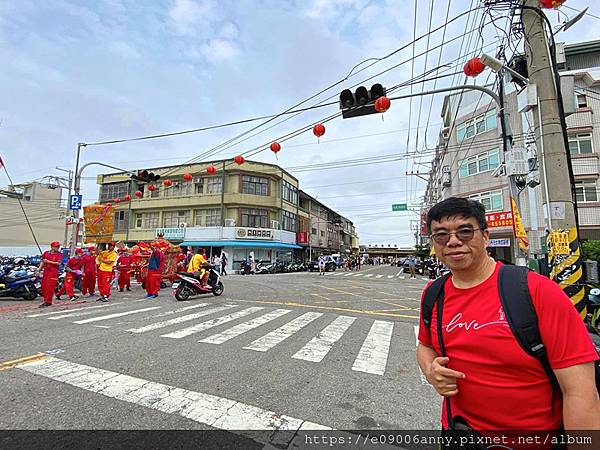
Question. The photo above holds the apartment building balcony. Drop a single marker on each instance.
(585, 164)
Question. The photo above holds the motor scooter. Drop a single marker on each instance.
(189, 284)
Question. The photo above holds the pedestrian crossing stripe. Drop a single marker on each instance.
(371, 358)
(368, 275)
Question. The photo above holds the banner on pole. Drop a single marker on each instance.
(518, 228)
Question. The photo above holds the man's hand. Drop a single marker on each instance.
(442, 378)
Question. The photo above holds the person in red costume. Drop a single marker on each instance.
(88, 285)
(156, 265)
(124, 267)
(73, 270)
(50, 262)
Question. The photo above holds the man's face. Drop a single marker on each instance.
(55, 249)
(457, 254)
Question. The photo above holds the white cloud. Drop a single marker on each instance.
(189, 15)
(219, 50)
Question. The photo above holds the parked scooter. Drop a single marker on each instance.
(189, 284)
(20, 282)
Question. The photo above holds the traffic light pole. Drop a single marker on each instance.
(566, 262)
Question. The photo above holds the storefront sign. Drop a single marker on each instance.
(254, 233)
(171, 233)
(302, 237)
(499, 243)
(499, 220)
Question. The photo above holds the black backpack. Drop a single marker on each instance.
(520, 315)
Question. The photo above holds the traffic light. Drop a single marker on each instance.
(360, 103)
(146, 177)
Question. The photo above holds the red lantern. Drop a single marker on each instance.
(382, 104)
(474, 67)
(188, 177)
(139, 194)
(239, 159)
(319, 130)
(551, 3)
(117, 200)
(167, 183)
(152, 188)
(127, 197)
(275, 147)
(211, 170)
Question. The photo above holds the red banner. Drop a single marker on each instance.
(499, 219)
(302, 237)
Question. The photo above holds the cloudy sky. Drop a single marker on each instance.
(89, 71)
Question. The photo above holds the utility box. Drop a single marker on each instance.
(591, 271)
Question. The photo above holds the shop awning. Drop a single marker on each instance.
(237, 243)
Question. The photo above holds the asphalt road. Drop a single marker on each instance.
(283, 351)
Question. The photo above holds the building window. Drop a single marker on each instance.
(113, 190)
(178, 189)
(121, 220)
(478, 125)
(199, 186)
(151, 220)
(322, 233)
(173, 219)
(480, 163)
(255, 185)
(289, 221)
(492, 201)
(290, 193)
(313, 231)
(213, 217)
(586, 191)
(581, 101)
(215, 185)
(254, 218)
(580, 144)
(138, 220)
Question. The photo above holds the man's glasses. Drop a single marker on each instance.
(463, 235)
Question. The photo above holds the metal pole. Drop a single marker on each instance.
(76, 190)
(70, 172)
(129, 222)
(223, 197)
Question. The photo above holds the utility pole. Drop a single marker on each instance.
(70, 172)
(564, 250)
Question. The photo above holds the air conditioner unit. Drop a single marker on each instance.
(230, 222)
(445, 133)
(275, 224)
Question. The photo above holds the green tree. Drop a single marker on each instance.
(422, 251)
(591, 250)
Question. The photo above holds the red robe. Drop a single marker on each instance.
(50, 277)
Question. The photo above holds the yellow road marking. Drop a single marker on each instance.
(359, 311)
(22, 361)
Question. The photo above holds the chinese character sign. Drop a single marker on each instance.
(519, 229)
(499, 220)
(98, 221)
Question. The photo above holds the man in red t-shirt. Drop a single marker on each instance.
(124, 268)
(88, 284)
(50, 262)
(487, 377)
(73, 270)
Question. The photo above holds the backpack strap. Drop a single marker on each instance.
(435, 290)
(513, 289)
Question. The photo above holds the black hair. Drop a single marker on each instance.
(457, 206)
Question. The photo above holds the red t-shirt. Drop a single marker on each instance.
(505, 388)
(55, 257)
(124, 262)
(89, 263)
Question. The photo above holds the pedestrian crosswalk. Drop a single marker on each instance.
(309, 336)
(371, 276)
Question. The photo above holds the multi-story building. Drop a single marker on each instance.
(241, 209)
(46, 214)
(470, 150)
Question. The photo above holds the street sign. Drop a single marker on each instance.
(75, 202)
(400, 207)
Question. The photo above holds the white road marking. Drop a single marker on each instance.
(216, 412)
(338, 274)
(65, 311)
(211, 323)
(348, 274)
(423, 379)
(390, 276)
(369, 275)
(114, 315)
(244, 327)
(270, 340)
(379, 276)
(403, 278)
(176, 311)
(176, 320)
(101, 326)
(399, 273)
(358, 275)
(372, 357)
(320, 345)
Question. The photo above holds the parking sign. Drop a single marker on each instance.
(75, 202)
